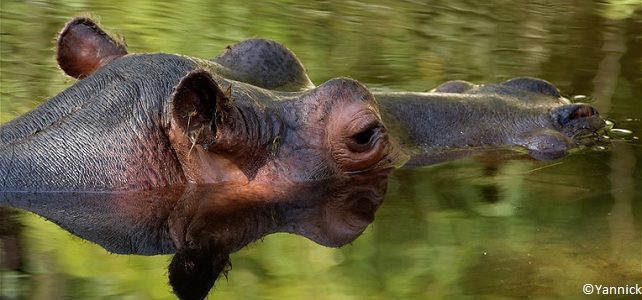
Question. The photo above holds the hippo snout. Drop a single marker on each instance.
(577, 120)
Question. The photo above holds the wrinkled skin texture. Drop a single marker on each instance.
(140, 121)
(458, 116)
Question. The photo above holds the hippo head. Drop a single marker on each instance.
(252, 115)
(224, 131)
(531, 112)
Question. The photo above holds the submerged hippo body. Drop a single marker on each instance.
(458, 118)
(138, 121)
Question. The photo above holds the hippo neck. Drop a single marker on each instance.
(113, 139)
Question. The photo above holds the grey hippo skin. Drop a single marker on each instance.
(459, 117)
(139, 121)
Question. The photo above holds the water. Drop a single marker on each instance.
(467, 229)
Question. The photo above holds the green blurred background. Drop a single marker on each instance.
(466, 229)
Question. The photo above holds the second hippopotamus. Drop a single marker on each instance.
(459, 118)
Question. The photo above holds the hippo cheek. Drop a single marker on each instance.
(547, 144)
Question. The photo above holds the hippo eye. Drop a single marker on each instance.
(364, 136)
(362, 140)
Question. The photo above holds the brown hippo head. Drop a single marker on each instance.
(229, 131)
(250, 115)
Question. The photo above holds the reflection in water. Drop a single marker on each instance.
(11, 254)
(621, 218)
(544, 231)
(203, 224)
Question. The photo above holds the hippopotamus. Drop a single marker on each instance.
(458, 118)
(140, 121)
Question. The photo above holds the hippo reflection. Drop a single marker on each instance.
(203, 224)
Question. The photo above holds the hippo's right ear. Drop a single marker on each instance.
(82, 48)
(197, 104)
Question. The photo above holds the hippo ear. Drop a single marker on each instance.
(266, 64)
(534, 85)
(82, 48)
(192, 272)
(197, 102)
(453, 86)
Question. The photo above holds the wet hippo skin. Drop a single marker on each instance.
(161, 153)
(139, 121)
(259, 79)
(458, 118)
